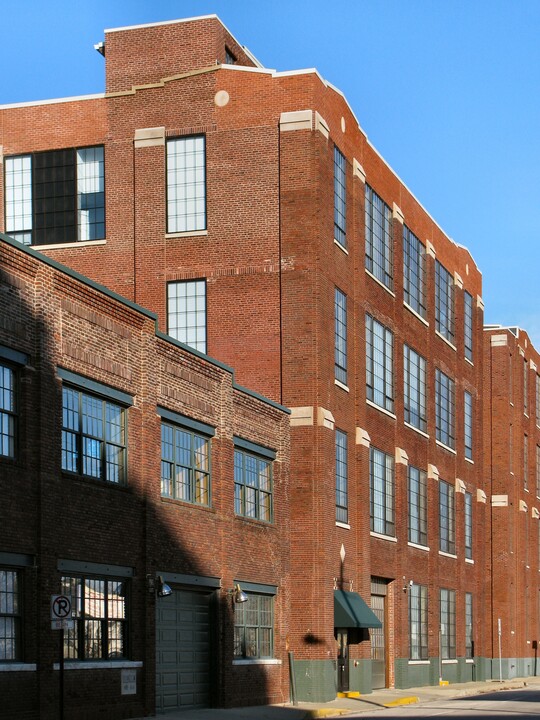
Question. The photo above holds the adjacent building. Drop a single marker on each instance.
(248, 210)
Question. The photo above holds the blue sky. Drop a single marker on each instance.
(448, 91)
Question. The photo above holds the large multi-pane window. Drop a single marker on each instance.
(418, 622)
(93, 436)
(444, 302)
(56, 196)
(341, 477)
(469, 642)
(468, 526)
(525, 386)
(526, 462)
(468, 424)
(254, 627)
(444, 409)
(379, 364)
(101, 618)
(340, 198)
(417, 492)
(468, 324)
(381, 492)
(414, 272)
(414, 389)
(448, 623)
(447, 518)
(253, 486)
(379, 244)
(185, 465)
(186, 312)
(7, 411)
(340, 336)
(10, 615)
(186, 184)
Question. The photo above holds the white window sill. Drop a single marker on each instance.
(469, 561)
(341, 247)
(469, 661)
(446, 447)
(469, 361)
(425, 548)
(18, 667)
(448, 555)
(61, 246)
(379, 282)
(345, 526)
(388, 538)
(445, 340)
(450, 662)
(187, 233)
(416, 315)
(412, 427)
(419, 662)
(99, 664)
(341, 385)
(469, 460)
(381, 409)
(257, 661)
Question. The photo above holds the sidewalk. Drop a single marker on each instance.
(376, 700)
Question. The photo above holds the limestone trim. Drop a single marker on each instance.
(301, 416)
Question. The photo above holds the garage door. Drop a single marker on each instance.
(182, 651)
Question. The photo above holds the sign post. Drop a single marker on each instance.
(61, 620)
(499, 629)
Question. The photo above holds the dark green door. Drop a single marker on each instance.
(378, 638)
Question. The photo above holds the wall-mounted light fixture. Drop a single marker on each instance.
(239, 596)
(163, 590)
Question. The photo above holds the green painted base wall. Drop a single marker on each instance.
(315, 680)
(514, 667)
(409, 674)
(360, 676)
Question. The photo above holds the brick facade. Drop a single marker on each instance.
(271, 263)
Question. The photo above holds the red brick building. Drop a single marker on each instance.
(128, 462)
(512, 461)
(249, 211)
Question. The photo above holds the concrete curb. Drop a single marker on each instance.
(403, 701)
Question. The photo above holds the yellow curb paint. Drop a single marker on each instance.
(444, 682)
(349, 694)
(402, 701)
(327, 712)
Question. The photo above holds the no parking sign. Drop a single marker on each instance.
(61, 613)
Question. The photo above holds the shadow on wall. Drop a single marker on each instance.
(104, 542)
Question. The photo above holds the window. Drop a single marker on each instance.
(468, 424)
(417, 491)
(379, 364)
(186, 184)
(230, 59)
(379, 244)
(468, 325)
(469, 642)
(414, 388)
(341, 476)
(340, 199)
(444, 302)
(7, 412)
(538, 400)
(100, 613)
(526, 462)
(468, 526)
(10, 615)
(444, 409)
(93, 437)
(525, 387)
(448, 624)
(418, 622)
(381, 489)
(447, 518)
(254, 627)
(252, 484)
(414, 272)
(340, 336)
(538, 471)
(186, 312)
(56, 196)
(185, 465)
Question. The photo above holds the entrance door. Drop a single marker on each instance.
(378, 635)
(342, 661)
(182, 651)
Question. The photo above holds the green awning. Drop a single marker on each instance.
(350, 611)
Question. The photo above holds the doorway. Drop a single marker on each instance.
(379, 588)
(342, 637)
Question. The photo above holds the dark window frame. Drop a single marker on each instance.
(176, 216)
(418, 622)
(379, 247)
(340, 336)
(342, 473)
(14, 617)
(382, 396)
(447, 518)
(382, 491)
(414, 273)
(417, 491)
(259, 463)
(243, 613)
(414, 388)
(444, 303)
(194, 488)
(340, 197)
